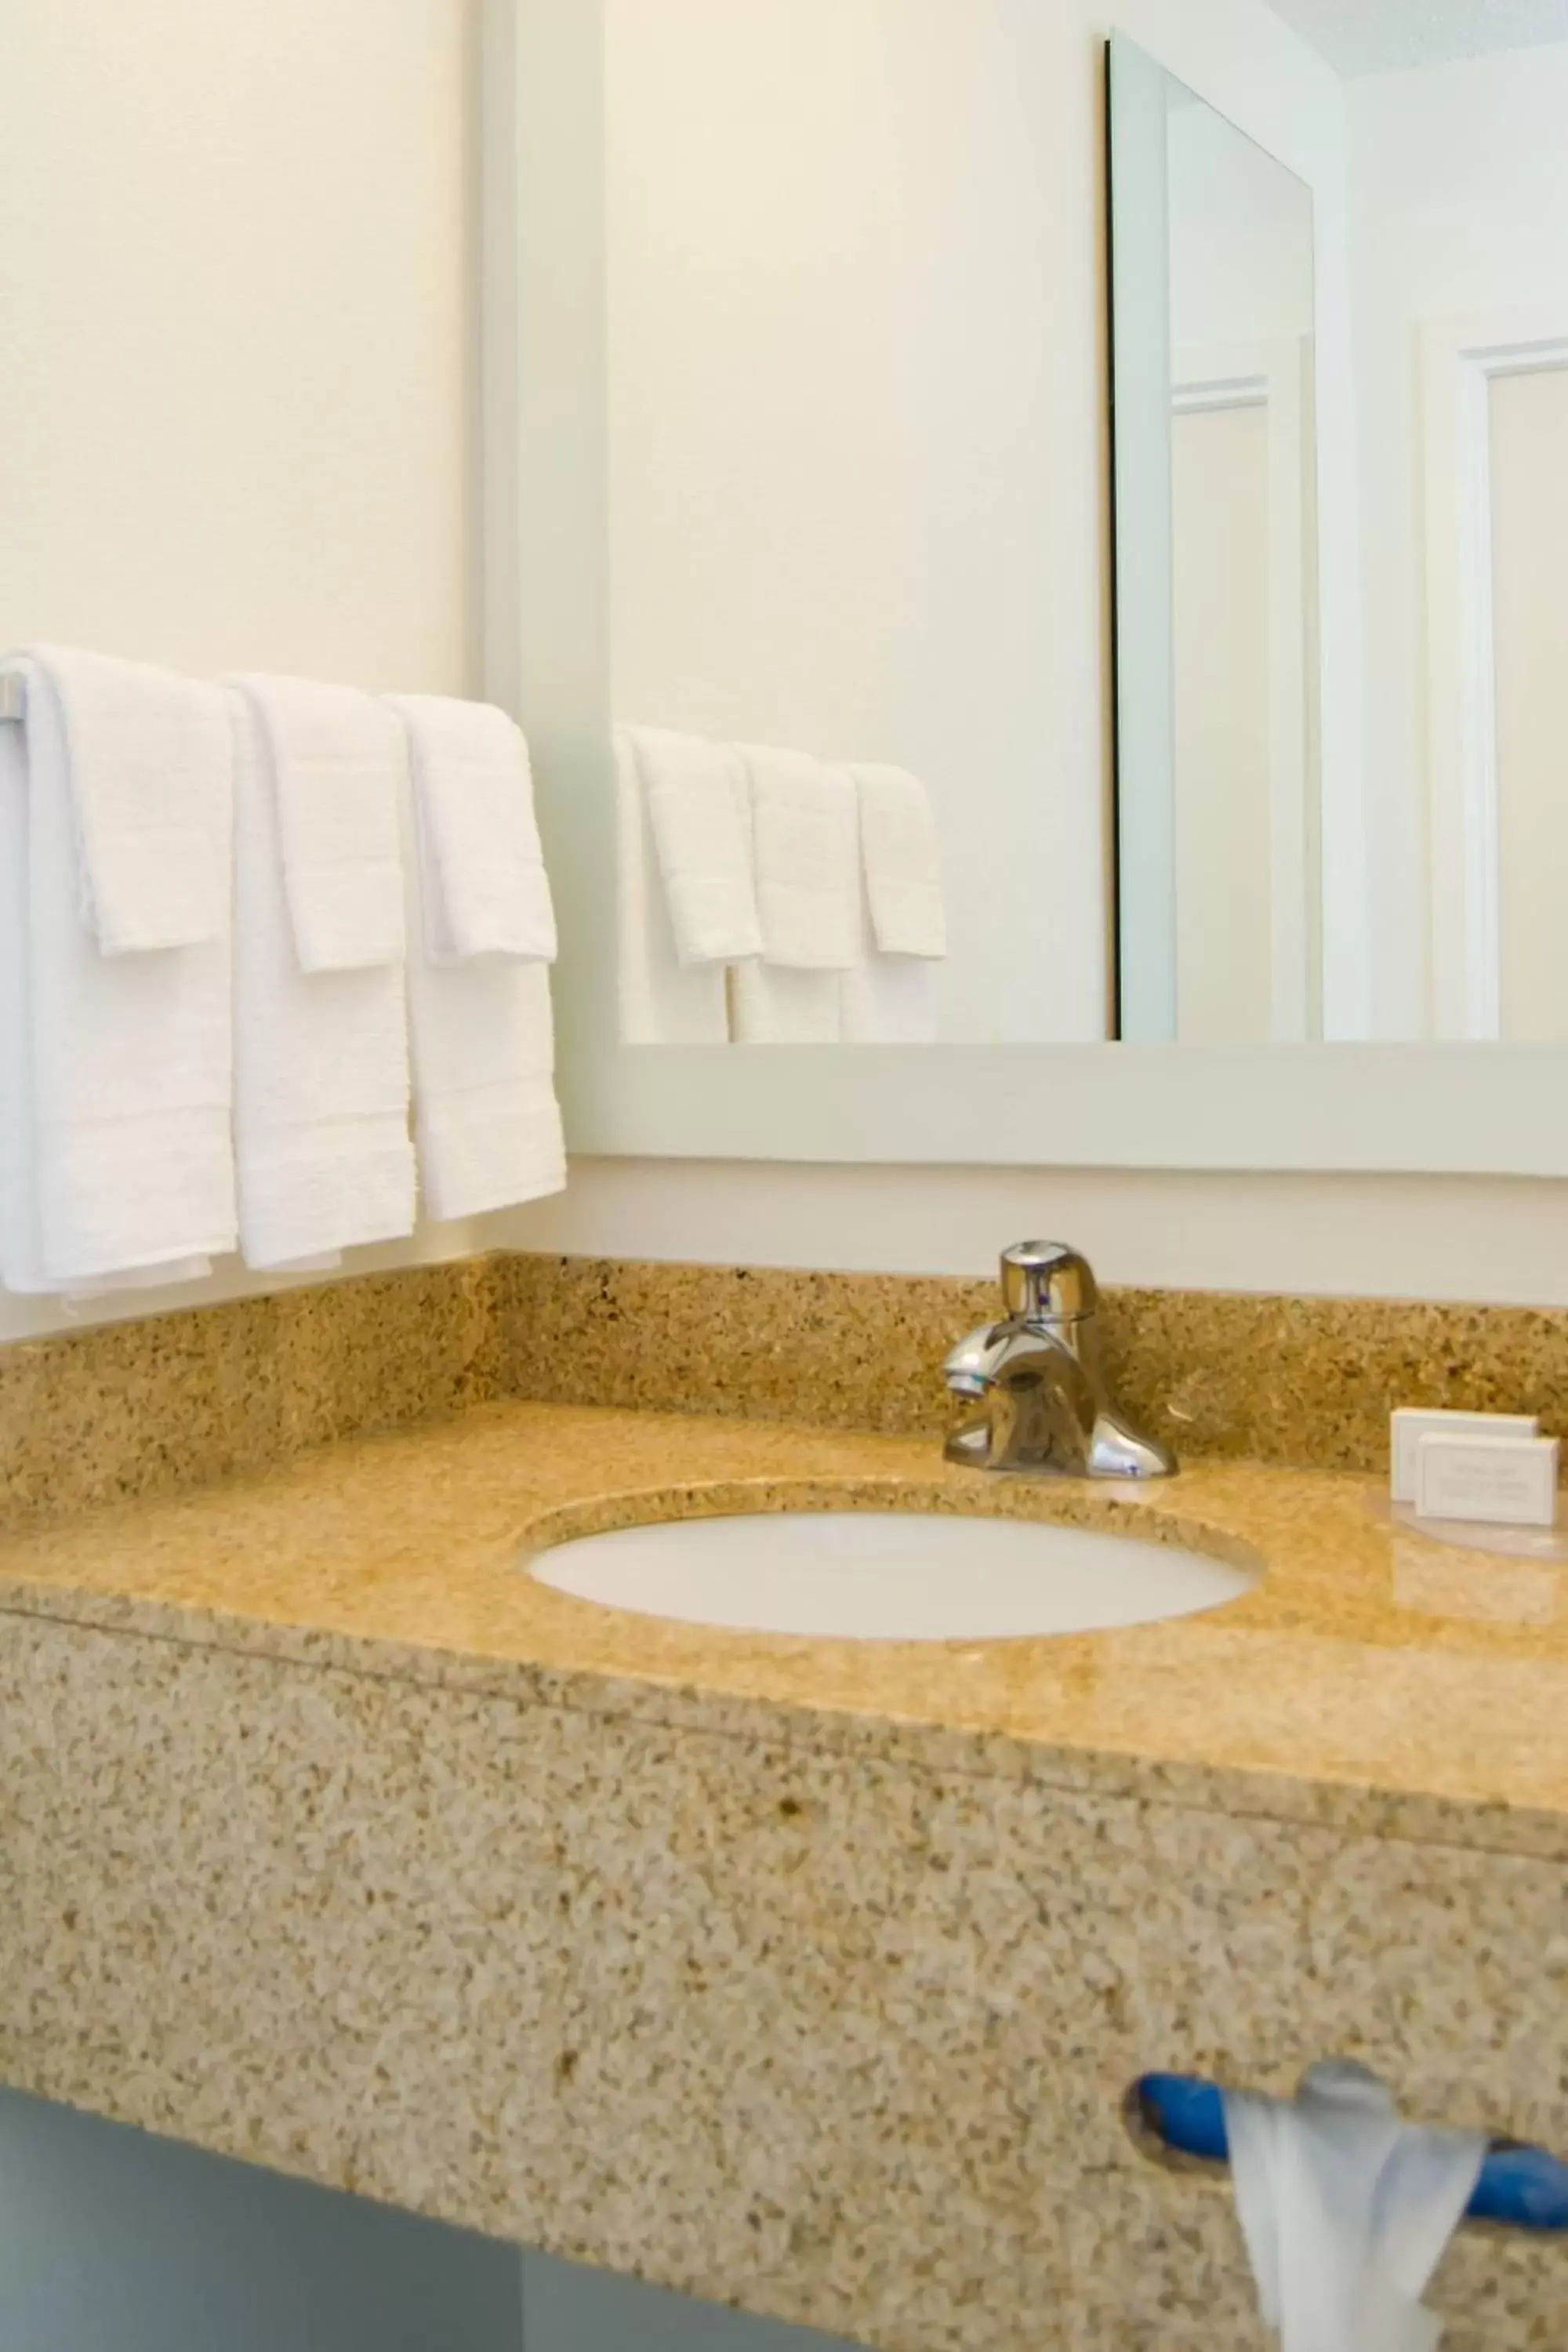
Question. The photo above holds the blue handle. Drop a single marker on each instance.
(1522, 2188)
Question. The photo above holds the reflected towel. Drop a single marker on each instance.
(805, 852)
(693, 790)
(661, 1002)
(902, 857)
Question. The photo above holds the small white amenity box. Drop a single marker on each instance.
(1506, 1481)
(1408, 1424)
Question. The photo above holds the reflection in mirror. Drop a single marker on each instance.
(845, 419)
(1218, 817)
(1343, 612)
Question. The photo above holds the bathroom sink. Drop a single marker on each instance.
(887, 1576)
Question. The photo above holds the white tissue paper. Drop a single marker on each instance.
(1346, 2210)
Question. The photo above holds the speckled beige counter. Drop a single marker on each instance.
(801, 1974)
(170, 1403)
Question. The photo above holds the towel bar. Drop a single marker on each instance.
(1518, 2188)
(13, 698)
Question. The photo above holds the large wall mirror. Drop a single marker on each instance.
(1171, 490)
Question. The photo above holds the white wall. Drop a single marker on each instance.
(1459, 204)
(1350, 1237)
(238, 270)
(235, 282)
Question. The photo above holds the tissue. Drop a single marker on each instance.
(1346, 2210)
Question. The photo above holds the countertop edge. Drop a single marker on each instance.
(1352, 1807)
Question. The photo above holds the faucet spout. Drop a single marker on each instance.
(1032, 1393)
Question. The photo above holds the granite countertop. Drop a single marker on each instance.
(806, 1975)
(1372, 1678)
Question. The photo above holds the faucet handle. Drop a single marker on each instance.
(1048, 1282)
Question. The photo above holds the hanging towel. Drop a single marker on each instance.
(321, 1110)
(333, 758)
(692, 789)
(116, 1164)
(143, 747)
(661, 1002)
(902, 856)
(806, 855)
(1346, 2210)
(483, 890)
(889, 998)
(487, 1122)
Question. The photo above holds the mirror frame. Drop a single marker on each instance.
(1458, 1109)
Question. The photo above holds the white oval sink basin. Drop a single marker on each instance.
(889, 1576)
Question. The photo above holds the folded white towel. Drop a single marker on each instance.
(321, 1110)
(116, 1164)
(693, 790)
(661, 1002)
(901, 855)
(483, 890)
(486, 1118)
(148, 763)
(805, 850)
(334, 757)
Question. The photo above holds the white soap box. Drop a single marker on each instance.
(1502, 1481)
(1408, 1424)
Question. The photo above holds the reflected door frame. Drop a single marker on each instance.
(1460, 359)
(1276, 375)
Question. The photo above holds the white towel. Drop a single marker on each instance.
(889, 998)
(693, 791)
(483, 890)
(804, 847)
(144, 747)
(661, 1002)
(335, 756)
(901, 855)
(486, 1118)
(117, 1168)
(1346, 2210)
(321, 1110)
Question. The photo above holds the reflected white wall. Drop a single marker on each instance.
(1459, 204)
(848, 397)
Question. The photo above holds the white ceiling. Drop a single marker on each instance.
(1362, 36)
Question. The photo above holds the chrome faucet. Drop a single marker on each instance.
(1034, 1393)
